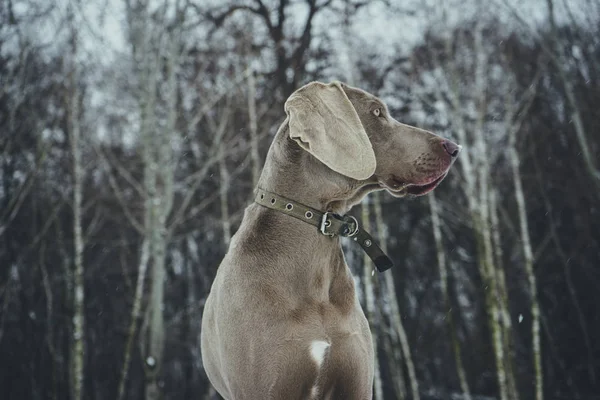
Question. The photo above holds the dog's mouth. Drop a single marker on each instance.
(401, 189)
(419, 190)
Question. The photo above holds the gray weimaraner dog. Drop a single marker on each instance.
(282, 320)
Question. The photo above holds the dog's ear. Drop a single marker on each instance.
(323, 121)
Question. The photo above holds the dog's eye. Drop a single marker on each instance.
(377, 112)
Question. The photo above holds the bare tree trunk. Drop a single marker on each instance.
(441, 258)
(78, 339)
(528, 259)
(396, 316)
(155, 333)
(218, 130)
(479, 217)
(488, 268)
(190, 324)
(162, 202)
(223, 190)
(492, 300)
(136, 315)
(252, 125)
(147, 65)
(505, 320)
(478, 208)
(394, 356)
(370, 305)
(513, 126)
(149, 345)
(46, 281)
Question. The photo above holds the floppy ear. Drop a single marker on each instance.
(323, 121)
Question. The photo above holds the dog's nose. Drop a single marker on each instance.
(451, 148)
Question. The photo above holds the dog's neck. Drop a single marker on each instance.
(294, 173)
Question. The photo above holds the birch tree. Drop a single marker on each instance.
(467, 105)
(77, 354)
(156, 36)
(369, 284)
(399, 336)
(514, 125)
(441, 260)
(252, 126)
(505, 318)
(218, 129)
(152, 43)
(159, 180)
(136, 315)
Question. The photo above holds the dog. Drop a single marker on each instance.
(282, 320)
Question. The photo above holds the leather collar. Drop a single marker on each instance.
(329, 224)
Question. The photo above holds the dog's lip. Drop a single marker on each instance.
(418, 189)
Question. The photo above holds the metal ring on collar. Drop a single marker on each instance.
(356, 226)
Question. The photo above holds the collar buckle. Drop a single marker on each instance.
(325, 223)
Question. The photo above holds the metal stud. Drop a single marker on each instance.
(368, 243)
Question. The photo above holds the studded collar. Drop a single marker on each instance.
(329, 224)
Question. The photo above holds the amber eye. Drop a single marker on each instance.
(377, 112)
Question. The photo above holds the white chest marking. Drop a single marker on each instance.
(318, 348)
(314, 393)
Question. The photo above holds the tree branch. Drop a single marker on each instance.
(219, 19)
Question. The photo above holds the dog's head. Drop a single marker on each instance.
(352, 133)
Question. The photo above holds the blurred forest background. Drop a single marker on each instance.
(132, 133)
